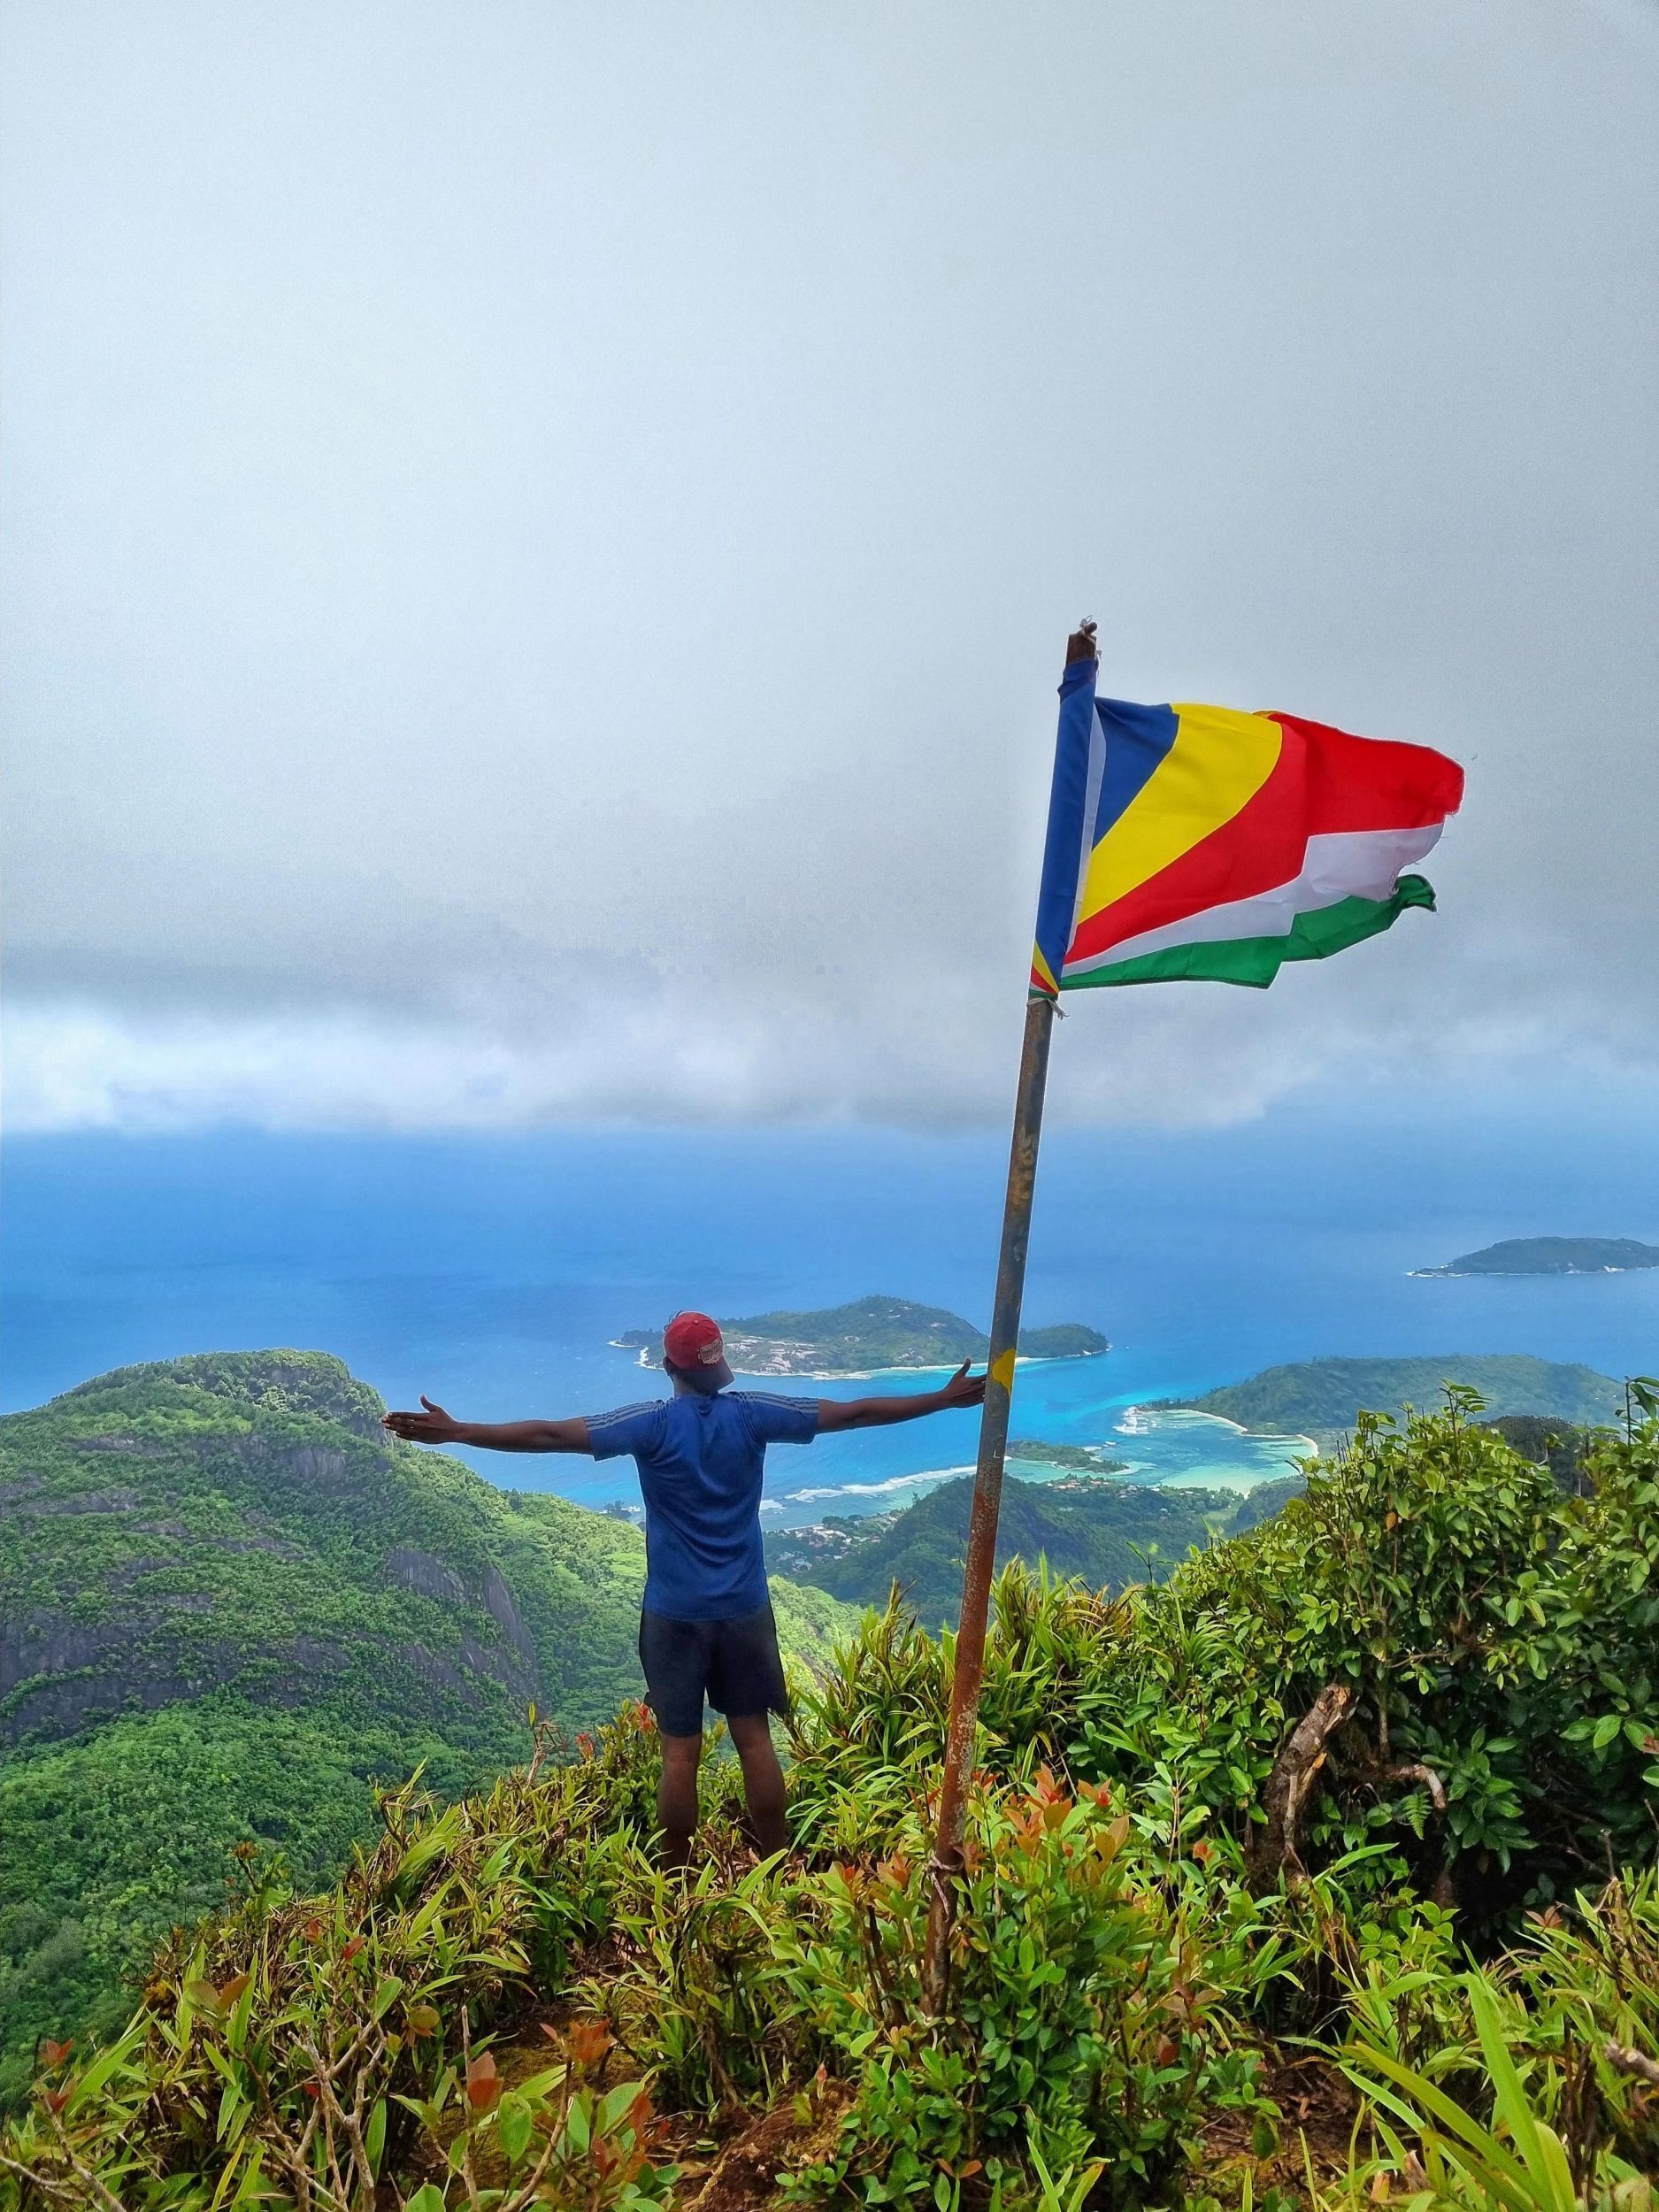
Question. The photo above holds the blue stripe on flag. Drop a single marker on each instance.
(1137, 740)
(1066, 843)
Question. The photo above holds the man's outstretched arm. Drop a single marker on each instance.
(962, 1390)
(435, 1426)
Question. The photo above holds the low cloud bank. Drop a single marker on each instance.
(942, 1056)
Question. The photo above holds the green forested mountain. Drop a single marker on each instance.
(870, 1333)
(1322, 1398)
(228, 1602)
(1105, 1534)
(1265, 1500)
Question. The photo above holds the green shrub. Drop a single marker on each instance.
(698, 1997)
(1086, 2018)
(270, 2038)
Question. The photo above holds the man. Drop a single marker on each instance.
(707, 1628)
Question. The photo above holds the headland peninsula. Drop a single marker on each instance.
(1323, 1398)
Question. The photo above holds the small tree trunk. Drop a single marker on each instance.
(1274, 1846)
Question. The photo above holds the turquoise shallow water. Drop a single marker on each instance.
(1188, 1450)
(492, 1273)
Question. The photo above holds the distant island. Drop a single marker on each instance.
(1322, 1398)
(1083, 1459)
(1551, 1255)
(871, 1333)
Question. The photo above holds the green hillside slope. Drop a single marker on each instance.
(1102, 1532)
(1322, 1398)
(228, 1604)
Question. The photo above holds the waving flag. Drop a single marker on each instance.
(1199, 844)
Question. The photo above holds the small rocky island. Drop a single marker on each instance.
(1080, 1459)
(1551, 1255)
(869, 1335)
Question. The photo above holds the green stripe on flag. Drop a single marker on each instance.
(1255, 961)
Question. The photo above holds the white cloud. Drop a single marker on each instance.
(536, 552)
(1200, 1055)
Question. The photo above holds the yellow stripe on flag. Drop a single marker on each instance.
(1220, 759)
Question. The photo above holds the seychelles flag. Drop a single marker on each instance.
(1198, 843)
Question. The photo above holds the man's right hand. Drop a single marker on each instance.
(962, 1390)
(434, 1426)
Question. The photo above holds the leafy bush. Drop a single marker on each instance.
(1504, 2155)
(1085, 2020)
(289, 2041)
(696, 1986)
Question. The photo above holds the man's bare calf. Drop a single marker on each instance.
(762, 1788)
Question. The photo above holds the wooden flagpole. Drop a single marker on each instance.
(946, 1863)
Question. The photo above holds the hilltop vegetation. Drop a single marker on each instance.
(1099, 1531)
(229, 1605)
(869, 1334)
(1321, 1873)
(1551, 1255)
(1323, 1398)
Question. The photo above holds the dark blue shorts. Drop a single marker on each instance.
(735, 1664)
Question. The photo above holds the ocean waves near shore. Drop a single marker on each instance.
(1180, 1449)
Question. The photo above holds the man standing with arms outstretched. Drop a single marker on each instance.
(707, 1629)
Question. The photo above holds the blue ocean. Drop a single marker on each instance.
(492, 1273)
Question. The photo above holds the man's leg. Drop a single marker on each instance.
(675, 1657)
(677, 1796)
(763, 1780)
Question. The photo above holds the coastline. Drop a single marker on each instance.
(813, 1491)
(1262, 1436)
(1511, 1274)
(648, 1359)
(1240, 1481)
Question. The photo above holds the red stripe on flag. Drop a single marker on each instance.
(1323, 780)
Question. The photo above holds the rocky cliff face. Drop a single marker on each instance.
(242, 1522)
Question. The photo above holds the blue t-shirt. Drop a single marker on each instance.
(700, 1462)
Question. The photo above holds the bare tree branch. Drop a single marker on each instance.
(1409, 1770)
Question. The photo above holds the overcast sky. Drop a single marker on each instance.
(538, 539)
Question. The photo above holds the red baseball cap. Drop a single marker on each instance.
(692, 1341)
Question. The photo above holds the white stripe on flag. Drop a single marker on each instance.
(1092, 782)
(1338, 864)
